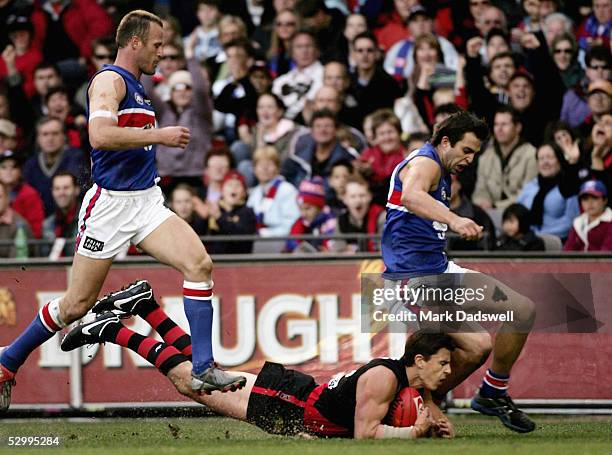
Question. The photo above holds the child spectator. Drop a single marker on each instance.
(274, 199)
(517, 234)
(181, 203)
(314, 219)
(361, 217)
(203, 42)
(340, 174)
(231, 216)
(592, 230)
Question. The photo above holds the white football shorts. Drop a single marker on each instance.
(109, 220)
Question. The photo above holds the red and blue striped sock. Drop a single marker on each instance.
(46, 324)
(494, 384)
(199, 311)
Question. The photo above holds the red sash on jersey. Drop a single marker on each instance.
(316, 422)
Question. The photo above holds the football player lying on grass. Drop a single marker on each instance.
(378, 400)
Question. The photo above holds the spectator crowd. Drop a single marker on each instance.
(299, 110)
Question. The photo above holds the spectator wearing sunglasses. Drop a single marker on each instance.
(564, 51)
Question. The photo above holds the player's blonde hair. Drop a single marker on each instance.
(135, 23)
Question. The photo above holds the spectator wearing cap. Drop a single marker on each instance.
(10, 224)
(506, 164)
(592, 230)
(314, 219)
(23, 198)
(400, 59)
(60, 228)
(596, 28)
(231, 216)
(315, 153)
(303, 81)
(20, 57)
(273, 200)
(189, 106)
(53, 156)
(575, 108)
(552, 213)
(599, 99)
(64, 32)
(371, 86)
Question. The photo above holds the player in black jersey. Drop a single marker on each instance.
(283, 401)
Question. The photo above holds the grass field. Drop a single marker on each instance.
(186, 436)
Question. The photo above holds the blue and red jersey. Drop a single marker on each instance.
(411, 245)
(132, 169)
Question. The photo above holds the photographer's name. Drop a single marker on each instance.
(445, 316)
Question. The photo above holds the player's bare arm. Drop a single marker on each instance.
(420, 177)
(106, 92)
(376, 390)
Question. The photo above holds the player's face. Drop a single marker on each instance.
(433, 372)
(150, 52)
(462, 153)
(64, 191)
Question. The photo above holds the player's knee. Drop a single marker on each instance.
(479, 349)
(199, 269)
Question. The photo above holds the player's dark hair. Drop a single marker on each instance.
(522, 215)
(426, 344)
(457, 125)
(323, 113)
(65, 174)
(135, 23)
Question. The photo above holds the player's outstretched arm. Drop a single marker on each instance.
(418, 179)
(106, 92)
(376, 390)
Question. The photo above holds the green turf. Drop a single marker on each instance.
(476, 435)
